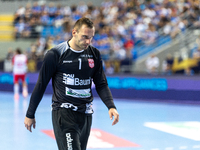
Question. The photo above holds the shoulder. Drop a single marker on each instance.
(95, 51)
(51, 56)
(58, 50)
(61, 48)
(93, 48)
(24, 56)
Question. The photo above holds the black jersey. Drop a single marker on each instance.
(72, 73)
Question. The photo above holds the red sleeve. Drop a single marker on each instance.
(13, 59)
(26, 60)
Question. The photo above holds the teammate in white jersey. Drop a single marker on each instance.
(19, 62)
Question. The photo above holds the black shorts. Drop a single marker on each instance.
(71, 129)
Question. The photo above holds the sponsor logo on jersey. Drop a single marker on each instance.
(69, 141)
(91, 63)
(67, 61)
(83, 93)
(82, 81)
(69, 105)
(87, 55)
(70, 80)
(89, 109)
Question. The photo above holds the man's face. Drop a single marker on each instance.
(83, 37)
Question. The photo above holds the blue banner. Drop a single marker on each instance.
(156, 84)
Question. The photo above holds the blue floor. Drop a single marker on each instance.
(142, 126)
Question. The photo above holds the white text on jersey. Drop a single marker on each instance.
(70, 80)
(67, 61)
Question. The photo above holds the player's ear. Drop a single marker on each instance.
(74, 32)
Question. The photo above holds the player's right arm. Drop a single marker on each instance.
(46, 72)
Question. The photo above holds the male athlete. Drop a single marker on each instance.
(19, 62)
(72, 65)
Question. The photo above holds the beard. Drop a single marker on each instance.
(81, 45)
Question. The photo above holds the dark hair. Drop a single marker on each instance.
(83, 21)
(18, 51)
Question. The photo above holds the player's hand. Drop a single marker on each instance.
(113, 112)
(29, 123)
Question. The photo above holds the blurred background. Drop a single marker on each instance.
(128, 32)
(147, 46)
(151, 56)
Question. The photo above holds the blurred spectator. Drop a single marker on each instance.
(149, 12)
(58, 20)
(40, 47)
(50, 43)
(36, 9)
(45, 19)
(127, 61)
(19, 28)
(118, 50)
(188, 71)
(151, 35)
(129, 45)
(19, 14)
(167, 65)
(101, 41)
(196, 53)
(82, 7)
(139, 31)
(152, 64)
(10, 54)
(52, 9)
(196, 56)
(27, 14)
(177, 28)
(109, 69)
(34, 22)
(7, 64)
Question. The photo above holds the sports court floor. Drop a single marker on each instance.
(143, 126)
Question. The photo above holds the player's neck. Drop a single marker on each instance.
(73, 45)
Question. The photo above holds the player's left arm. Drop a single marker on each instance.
(113, 112)
(104, 92)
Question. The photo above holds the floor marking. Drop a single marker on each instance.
(187, 129)
(183, 147)
(196, 146)
(101, 139)
(172, 148)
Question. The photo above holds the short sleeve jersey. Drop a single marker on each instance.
(19, 62)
